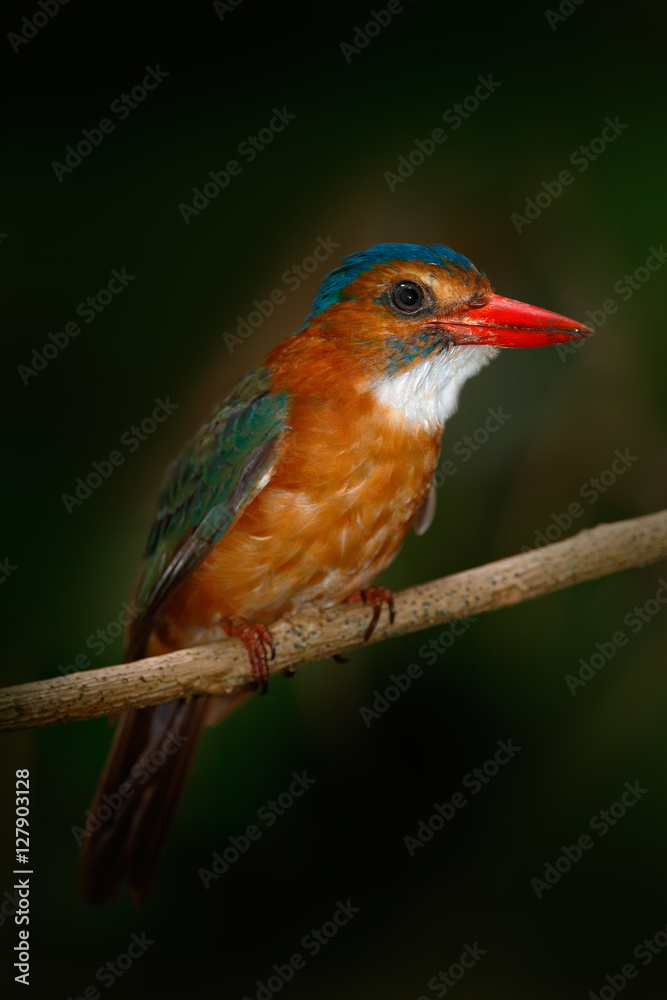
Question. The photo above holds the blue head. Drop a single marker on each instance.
(339, 285)
(414, 322)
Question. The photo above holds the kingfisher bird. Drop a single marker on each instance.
(299, 490)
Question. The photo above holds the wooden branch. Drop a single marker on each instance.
(309, 635)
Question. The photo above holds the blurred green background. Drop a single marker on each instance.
(323, 176)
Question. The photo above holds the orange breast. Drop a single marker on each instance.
(342, 497)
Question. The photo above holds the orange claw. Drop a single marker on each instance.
(256, 638)
(376, 597)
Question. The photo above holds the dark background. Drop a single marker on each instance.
(323, 177)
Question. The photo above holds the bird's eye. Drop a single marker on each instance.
(407, 296)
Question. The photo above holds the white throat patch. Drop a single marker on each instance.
(428, 394)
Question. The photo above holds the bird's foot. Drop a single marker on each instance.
(376, 597)
(258, 642)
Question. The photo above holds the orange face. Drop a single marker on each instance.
(405, 311)
(399, 305)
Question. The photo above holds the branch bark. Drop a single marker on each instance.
(309, 635)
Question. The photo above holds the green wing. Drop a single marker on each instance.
(217, 475)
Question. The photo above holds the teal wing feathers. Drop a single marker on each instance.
(208, 486)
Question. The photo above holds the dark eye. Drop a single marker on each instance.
(407, 296)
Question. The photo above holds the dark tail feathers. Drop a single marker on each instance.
(126, 830)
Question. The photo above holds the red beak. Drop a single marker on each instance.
(508, 323)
